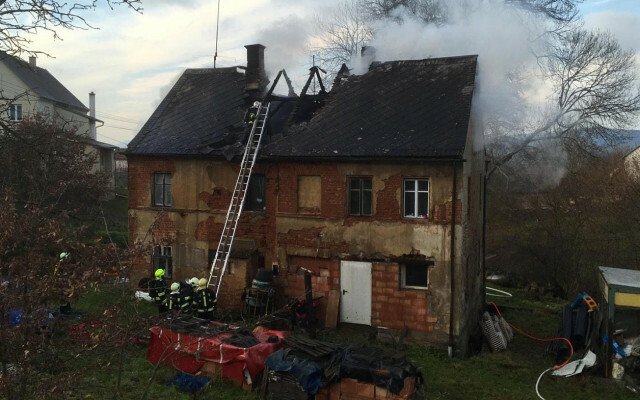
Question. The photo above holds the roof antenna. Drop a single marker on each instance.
(215, 55)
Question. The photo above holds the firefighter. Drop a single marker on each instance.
(158, 290)
(253, 112)
(186, 291)
(173, 299)
(205, 300)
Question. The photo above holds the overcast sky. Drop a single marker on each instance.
(134, 59)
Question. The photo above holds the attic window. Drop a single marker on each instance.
(162, 196)
(15, 112)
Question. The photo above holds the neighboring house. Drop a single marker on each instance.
(27, 90)
(376, 187)
(632, 162)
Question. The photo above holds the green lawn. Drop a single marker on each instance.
(507, 375)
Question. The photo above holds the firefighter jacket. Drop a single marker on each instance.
(158, 290)
(173, 301)
(205, 300)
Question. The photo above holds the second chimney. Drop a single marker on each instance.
(255, 75)
(32, 61)
(93, 134)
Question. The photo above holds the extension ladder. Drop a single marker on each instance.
(221, 259)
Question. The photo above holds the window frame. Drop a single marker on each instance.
(360, 191)
(403, 275)
(416, 192)
(162, 257)
(15, 111)
(165, 201)
(253, 183)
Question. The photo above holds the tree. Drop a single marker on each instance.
(21, 18)
(50, 198)
(595, 91)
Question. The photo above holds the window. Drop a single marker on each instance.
(360, 196)
(255, 200)
(416, 198)
(15, 112)
(162, 190)
(309, 194)
(414, 275)
(162, 259)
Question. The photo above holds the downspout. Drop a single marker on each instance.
(485, 182)
(454, 196)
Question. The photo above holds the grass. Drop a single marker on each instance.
(507, 375)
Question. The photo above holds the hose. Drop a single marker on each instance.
(537, 339)
(498, 292)
(538, 382)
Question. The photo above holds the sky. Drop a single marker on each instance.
(132, 60)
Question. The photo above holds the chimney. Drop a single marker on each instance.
(368, 55)
(32, 61)
(93, 134)
(255, 75)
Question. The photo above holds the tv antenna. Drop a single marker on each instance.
(215, 55)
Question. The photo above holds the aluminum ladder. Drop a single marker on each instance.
(221, 259)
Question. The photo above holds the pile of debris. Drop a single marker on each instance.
(307, 367)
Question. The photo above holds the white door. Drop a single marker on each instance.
(355, 292)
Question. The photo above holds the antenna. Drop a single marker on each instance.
(215, 55)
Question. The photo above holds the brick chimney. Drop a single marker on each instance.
(255, 75)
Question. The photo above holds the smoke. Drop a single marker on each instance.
(284, 48)
(511, 96)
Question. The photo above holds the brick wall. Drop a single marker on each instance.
(397, 308)
(141, 170)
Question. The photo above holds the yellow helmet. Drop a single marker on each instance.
(202, 283)
(175, 286)
(159, 273)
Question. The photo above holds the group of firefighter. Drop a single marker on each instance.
(192, 297)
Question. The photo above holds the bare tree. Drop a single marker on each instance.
(596, 93)
(19, 19)
(342, 33)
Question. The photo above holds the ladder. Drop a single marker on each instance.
(221, 259)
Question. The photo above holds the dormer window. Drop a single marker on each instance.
(15, 112)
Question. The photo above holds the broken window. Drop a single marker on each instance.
(162, 259)
(360, 202)
(414, 275)
(255, 200)
(15, 112)
(162, 190)
(416, 198)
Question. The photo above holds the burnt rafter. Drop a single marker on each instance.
(314, 72)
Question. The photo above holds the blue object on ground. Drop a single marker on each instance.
(189, 383)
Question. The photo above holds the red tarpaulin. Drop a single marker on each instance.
(189, 353)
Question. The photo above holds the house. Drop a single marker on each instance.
(375, 186)
(28, 90)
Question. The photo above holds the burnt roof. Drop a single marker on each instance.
(404, 109)
(42, 82)
(414, 109)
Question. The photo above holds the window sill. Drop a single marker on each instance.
(420, 288)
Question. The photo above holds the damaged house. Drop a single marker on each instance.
(375, 186)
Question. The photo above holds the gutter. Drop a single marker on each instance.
(454, 200)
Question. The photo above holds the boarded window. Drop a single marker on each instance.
(309, 193)
(360, 196)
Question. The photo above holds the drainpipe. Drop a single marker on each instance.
(454, 196)
(485, 182)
